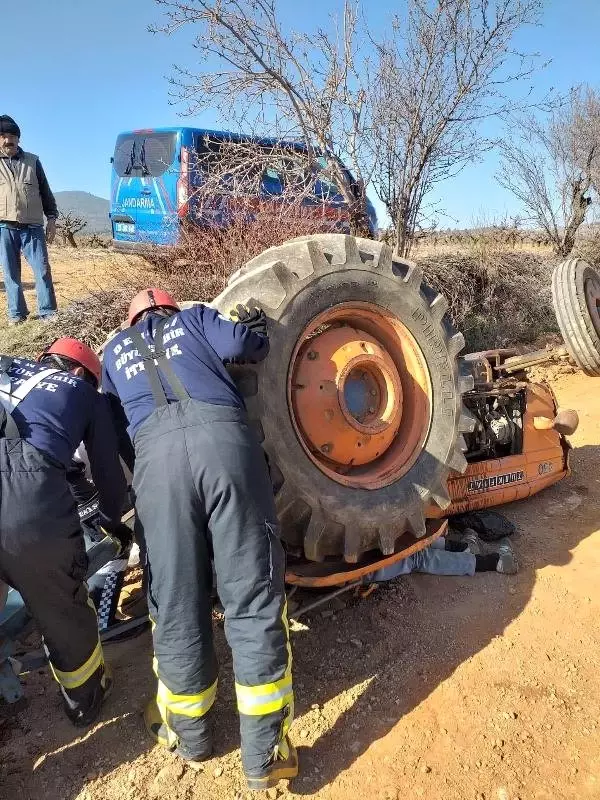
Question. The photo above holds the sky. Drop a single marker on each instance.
(91, 69)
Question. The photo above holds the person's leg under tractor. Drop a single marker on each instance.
(35, 250)
(10, 259)
(42, 555)
(171, 519)
(250, 567)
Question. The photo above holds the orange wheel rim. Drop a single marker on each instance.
(359, 394)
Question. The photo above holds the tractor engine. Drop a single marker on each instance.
(497, 425)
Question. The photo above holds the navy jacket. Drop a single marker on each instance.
(61, 412)
(197, 342)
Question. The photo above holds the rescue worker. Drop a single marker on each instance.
(46, 410)
(202, 488)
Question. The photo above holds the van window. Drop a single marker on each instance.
(144, 154)
(324, 186)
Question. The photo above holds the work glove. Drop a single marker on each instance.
(121, 535)
(253, 318)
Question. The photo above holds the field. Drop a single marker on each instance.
(481, 688)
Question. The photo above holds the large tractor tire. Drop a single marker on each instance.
(576, 299)
(358, 404)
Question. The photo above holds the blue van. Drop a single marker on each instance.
(153, 181)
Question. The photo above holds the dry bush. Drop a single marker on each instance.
(588, 248)
(199, 266)
(496, 299)
(196, 269)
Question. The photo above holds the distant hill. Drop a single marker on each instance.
(92, 208)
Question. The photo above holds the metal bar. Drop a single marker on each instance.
(122, 627)
(322, 600)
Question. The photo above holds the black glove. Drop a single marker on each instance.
(121, 535)
(253, 318)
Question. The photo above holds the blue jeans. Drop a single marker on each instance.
(31, 241)
(433, 560)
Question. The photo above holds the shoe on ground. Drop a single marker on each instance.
(159, 733)
(473, 542)
(507, 561)
(281, 768)
(49, 317)
(134, 602)
(13, 322)
(81, 718)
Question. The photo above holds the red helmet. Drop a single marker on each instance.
(76, 351)
(147, 299)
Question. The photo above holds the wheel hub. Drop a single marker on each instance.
(359, 395)
(348, 396)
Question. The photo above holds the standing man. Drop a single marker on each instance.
(46, 410)
(202, 488)
(25, 197)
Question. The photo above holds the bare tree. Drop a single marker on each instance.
(68, 225)
(553, 166)
(442, 71)
(307, 86)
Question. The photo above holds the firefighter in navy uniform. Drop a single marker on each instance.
(202, 487)
(46, 410)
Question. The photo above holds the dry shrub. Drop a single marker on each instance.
(195, 269)
(497, 299)
(199, 266)
(588, 248)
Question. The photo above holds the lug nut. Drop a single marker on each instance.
(312, 355)
(373, 392)
(371, 409)
(327, 448)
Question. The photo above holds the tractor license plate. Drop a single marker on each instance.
(124, 227)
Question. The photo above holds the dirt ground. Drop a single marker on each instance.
(74, 273)
(481, 688)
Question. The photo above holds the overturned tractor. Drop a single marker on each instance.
(371, 421)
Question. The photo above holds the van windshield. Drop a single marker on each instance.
(144, 154)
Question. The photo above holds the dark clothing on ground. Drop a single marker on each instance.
(201, 487)
(197, 342)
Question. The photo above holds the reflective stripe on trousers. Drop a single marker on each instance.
(185, 705)
(77, 677)
(269, 698)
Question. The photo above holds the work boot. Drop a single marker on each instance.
(160, 733)
(82, 718)
(507, 561)
(134, 603)
(283, 766)
(472, 541)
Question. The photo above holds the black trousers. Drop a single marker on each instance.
(42, 555)
(202, 486)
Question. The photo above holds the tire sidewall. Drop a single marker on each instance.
(412, 309)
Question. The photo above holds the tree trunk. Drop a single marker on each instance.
(358, 213)
(579, 206)
(403, 232)
(71, 239)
